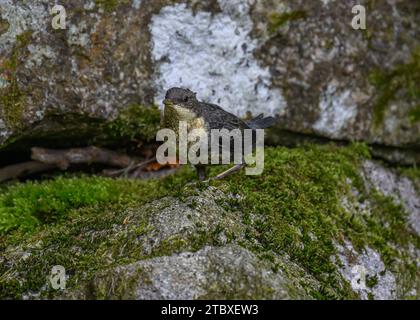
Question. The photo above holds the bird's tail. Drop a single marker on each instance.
(259, 122)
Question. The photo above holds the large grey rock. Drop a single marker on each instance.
(97, 66)
(369, 263)
(200, 246)
(212, 273)
(300, 60)
(400, 188)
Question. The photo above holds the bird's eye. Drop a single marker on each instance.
(186, 99)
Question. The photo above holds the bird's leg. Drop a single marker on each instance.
(201, 172)
(229, 171)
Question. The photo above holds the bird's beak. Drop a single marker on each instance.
(167, 102)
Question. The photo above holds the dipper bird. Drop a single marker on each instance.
(182, 105)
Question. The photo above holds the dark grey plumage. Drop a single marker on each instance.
(183, 105)
(215, 116)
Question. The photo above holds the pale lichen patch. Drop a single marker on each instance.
(38, 54)
(337, 111)
(366, 272)
(136, 4)
(21, 18)
(220, 64)
(399, 188)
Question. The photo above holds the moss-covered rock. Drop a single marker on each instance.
(227, 272)
(300, 60)
(297, 231)
(98, 66)
(134, 126)
(339, 82)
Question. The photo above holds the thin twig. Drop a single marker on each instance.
(130, 168)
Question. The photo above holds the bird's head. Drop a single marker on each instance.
(180, 96)
(180, 102)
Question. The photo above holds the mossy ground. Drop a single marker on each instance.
(71, 219)
(299, 201)
(4, 26)
(414, 114)
(412, 173)
(294, 208)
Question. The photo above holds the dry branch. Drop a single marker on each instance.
(23, 169)
(132, 167)
(48, 159)
(63, 158)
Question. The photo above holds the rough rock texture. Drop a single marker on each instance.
(331, 74)
(370, 265)
(216, 272)
(403, 191)
(400, 188)
(98, 65)
(300, 60)
(165, 240)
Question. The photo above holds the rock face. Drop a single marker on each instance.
(216, 272)
(401, 189)
(92, 66)
(300, 60)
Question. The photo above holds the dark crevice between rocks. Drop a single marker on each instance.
(394, 156)
(78, 130)
(64, 131)
(73, 131)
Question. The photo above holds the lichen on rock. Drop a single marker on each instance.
(299, 60)
(297, 231)
(221, 66)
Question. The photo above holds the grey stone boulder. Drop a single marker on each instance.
(300, 60)
(200, 246)
(210, 273)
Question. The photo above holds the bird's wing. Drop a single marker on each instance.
(217, 118)
(221, 119)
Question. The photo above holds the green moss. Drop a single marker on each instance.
(135, 122)
(277, 20)
(388, 224)
(26, 206)
(12, 102)
(298, 195)
(237, 290)
(85, 246)
(411, 172)
(298, 201)
(4, 26)
(93, 224)
(414, 114)
(29, 205)
(294, 208)
(371, 4)
(390, 83)
(123, 286)
(12, 99)
(110, 5)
